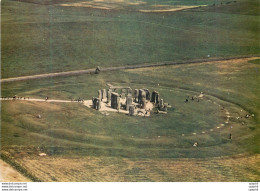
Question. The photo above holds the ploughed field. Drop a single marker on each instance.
(83, 144)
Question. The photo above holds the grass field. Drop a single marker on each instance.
(82, 144)
(117, 147)
(42, 36)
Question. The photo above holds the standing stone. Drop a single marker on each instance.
(104, 94)
(98, 104)
(161, 105)
(147, 93)
(129, 92)
(143, 103)
(118, 103)
(136, 95)
(128, 102)
(165, 107)
(141, 95)
(155, 97)
(114, 100)
(109, 95)
(124, 91)
(94, 99)
(131, 110)
(99, 94)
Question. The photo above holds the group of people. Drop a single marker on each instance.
(192, 99)
(17, 97)
(79, 100)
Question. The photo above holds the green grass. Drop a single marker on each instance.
(72, 132)
(39, 37)
(257, 61)
(74, 128)
(46, 38)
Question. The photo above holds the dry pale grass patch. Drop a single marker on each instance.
(234, 66)
(222, 65)
(164, 8)
(102, 4)
(9, 174)
(119, 4)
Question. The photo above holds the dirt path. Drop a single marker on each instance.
(40, 100)
(9, 174)
(146, 65)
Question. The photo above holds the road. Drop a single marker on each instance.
(92, 71)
